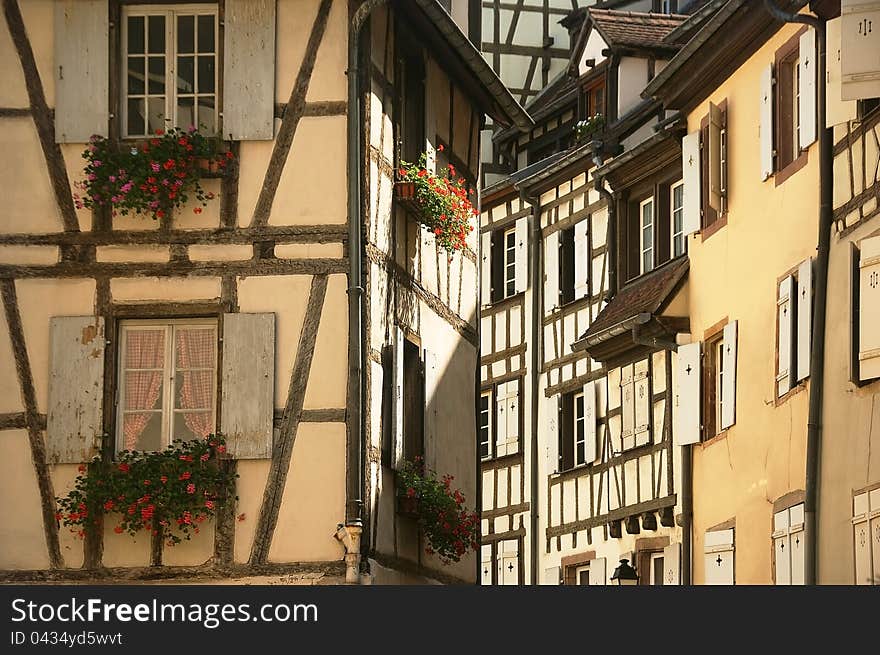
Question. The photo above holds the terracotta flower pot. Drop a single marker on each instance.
(405, 190)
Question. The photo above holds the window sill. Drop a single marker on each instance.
(509, 299)
(781, 400)
(782, 175)
(501, 460)
(721, 436)
(707, 232)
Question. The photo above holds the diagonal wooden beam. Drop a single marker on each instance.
(290, 420)
(43, 117)
(35, 435)
(293, 112)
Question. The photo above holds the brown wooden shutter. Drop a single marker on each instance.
(662, 227)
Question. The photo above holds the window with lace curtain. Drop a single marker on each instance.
(167, 387)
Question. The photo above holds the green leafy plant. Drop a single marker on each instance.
(174, 490)
(449, 527)
(443, 202)
(589, 126)
(151, 178)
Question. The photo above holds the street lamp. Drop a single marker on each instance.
(624, 574)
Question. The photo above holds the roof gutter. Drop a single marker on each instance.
(625, 325)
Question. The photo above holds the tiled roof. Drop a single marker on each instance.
(645, 294)
(635, 29)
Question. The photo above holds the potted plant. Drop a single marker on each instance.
(589, 126)
(153, 177)
(450, 529)
(169, 492)
(441, 202)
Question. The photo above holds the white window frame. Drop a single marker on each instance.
(644, 248)
(673, 212)
(509, 263)
(652, 579)
(577, 574)
(719, 384)
(488, 415)
(170, 12)
(579, 427)
(168, 412)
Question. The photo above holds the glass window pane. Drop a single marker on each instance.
(142, 431)
(186, 113)
(207, 115)
(144, 349)
(135, 34)
(580, 456)
(194, 347)
(206, 33)
(192, 425)
(143, 390)
(186, 75)
(156, 34)
(156, 69)
(206, 74)
(194, 390)
(135, 116)
(156, 114)
(135, 75)
(186, 37)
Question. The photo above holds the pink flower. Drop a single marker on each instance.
(190, 488)
(155, 166)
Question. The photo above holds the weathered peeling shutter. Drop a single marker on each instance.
(522, 254)
(248, 403)
(716, 124)
(485, 269)
(590, 442)
(397, 399)
(766, 122)
(807, 89)
(860, 49)
(796, 543)
(552, 575)
(728, 385)
(804, 318)
(690, 166)
(672, 565)
(687, 397)
(598, 572)
(551, 271)
(581, 260)
(784, 340)
(836, 110)
(430, 418)
(82, 70)
(513, 410)
(552, 421)
(249, 70)
(643, 404)
(781, 548)
(76, 389)
(869, 308)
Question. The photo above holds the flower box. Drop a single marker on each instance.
(408, 506)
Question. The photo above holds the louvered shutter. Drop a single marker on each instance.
(716, 124)
(397, 400)
(552, 421)
(598, 572)
(804, 318)
(672, 565)
(590, 442)
(690, 166)
(486, 268)
(431, 422)
(784, 338)
(248, 383)
(807, 89)
(581, 260)
(860, 49)
(249, 70)
(551, 271)
(869, 307)
(642, 404)
(765, 136)
(687, 397)
(728, 388)
(74, 425)
(837, 110)
(781, 548)
(522, 256)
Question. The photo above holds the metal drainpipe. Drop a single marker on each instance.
(356, 336)
(537, 339)
(817, 347)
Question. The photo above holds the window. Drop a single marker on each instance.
(714, 192)
(665, 6)
(793, 328)
(167, 382)
(676, 213)
(714, 384)
(788, 98)
(646, 234)
(504, 262)
(500, 563)
(866, 537)
(411, 69)
(413, 402)
(788, 546)
(582, 575)
(566, 265)
(656, 569)
(579, 435)
(507, 418)
(865, 302)
(718, 560)
(509, 262)
(171, 68)
(486, 425)
(594, 98)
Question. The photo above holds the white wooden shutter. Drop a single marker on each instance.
(869, 307)
(591, 451)
(431, 422)
(552, 575)
(551, 271)
(766, 122)
(796, 544)
(807, 88)
(513, 411)
(486, 564)
(781, 548)
(249, 70)
(552, 421)
(598, 572)
(74, 424)
(860, 49)
(784, 339)
(874, 531)
(248, 403)
(522, 254)
(581, 259)
(81, 69)
(501, 402)
(837, 110)
(627, 408)
(642, 404)
(397, 399)
(509, 562)
(714, 156)
(486, 269)
(690, 166)
(804, 318)
(862, 547)
(728, 388)
(687, 397)
(718, 558)
(672, 565)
